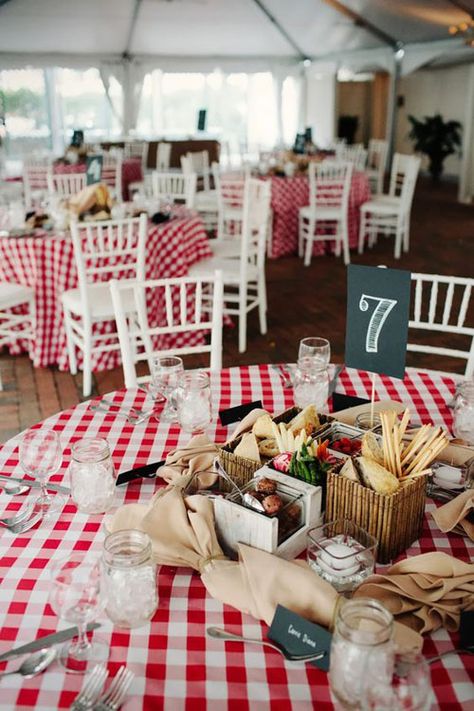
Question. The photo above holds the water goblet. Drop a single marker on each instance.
(194, 401)
(40, 456)
(165, 373)
(75, 596)
(319, 349)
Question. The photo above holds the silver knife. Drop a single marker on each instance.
(48, 641)
(34, 483)
(333, 383)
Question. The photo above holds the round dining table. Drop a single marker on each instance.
(176, 666)
(45, 261)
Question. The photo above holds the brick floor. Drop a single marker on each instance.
(301, 302)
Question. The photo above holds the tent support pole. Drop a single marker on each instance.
(392, 109)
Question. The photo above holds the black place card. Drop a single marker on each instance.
(378, 302)
(93, 169)
(148, 471)
(466, 630)
(300, 636)
(341, 402)
(235, 414)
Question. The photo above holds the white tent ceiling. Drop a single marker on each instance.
(217, 28)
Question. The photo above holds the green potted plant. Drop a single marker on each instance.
(435, 138)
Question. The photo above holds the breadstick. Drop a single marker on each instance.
(425, 472)
(404, 424)
(413, 460)
(416, 442)
(396, 447)
(430, 455)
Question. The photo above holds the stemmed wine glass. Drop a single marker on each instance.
(75, 596)
(165, 374)
(40, 456)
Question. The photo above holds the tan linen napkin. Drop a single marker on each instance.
(196, 458)
(424, 592)
(457, 512)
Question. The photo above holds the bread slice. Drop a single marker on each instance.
(376, 477)
(262, 427)
(268, 447)
(349, 471)
(307, 420)
(371, 448)
(248, 448)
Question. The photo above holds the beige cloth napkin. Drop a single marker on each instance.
(196, 458)
(457, 512)
(424, 592)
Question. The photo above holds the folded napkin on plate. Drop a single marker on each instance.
(424, 592)
(196, 458)
(458, 512)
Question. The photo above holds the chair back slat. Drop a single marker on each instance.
(163, 155)
(433, 302)
(377, 154)
(176, 187)
(329, 184)
(65, 185)
(447, 304)
(168, 308)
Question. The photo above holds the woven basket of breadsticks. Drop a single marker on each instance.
(384, 489)
(242, 456)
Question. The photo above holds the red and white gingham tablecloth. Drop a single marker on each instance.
(177, 667)
(46, 262)
(289, 194)
(131, 172)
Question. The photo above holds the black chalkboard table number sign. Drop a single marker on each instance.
(93, 169)
(378, 303)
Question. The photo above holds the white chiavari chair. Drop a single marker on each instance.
(163, 156)
(65, 185)
(329, 188)
(184, 305)
(102, 251)
(35, 179)
(175, 187)
(442, 304)
(244, 278)
(376, 164)
(199, 161)
(205, 201)
(390, 214)
(112, 173)
(16, 325)
(355, 154)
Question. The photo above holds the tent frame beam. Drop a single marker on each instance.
(301, 55)
(131, 29)
(360, 21)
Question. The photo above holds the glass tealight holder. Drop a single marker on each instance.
(341, 553)
(129, 578)
(92, 475)
(193, 397)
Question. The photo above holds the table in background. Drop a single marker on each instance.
(46, 262)
(131, 172)
(289, 194)
(177, 667)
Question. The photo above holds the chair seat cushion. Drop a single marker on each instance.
(230, 269)
(14, 294)
(100, 301)
(320, 213)
(227, 248)
(383, 205)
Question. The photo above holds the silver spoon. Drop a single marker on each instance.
(35, 663)
(430, 660)
(13, 489)
(218, 633)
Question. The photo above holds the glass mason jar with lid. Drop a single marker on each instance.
(311, 383)
(362, 651)
(92, 475)
(129, 578)
(463, 424)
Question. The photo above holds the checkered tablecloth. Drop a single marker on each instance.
(177, 668)
(46, 262)
(289, 194)
(131, 172)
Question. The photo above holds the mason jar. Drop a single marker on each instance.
(463, 422)
(92, 475)
(129, 578)
(362, 651)
(311, 383)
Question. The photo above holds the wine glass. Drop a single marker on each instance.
(319, 349)
(40, 456)
(165, 373)
(75, 596)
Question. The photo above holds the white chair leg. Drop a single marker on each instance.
(87, 363)
(242, 319)
(398, 239)
(300, 235)
(406, 234)
(362, 232)
(345, 242)
(262, 304)
(71, 348)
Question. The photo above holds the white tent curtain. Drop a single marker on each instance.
(133, 76)
(107, 70)
(466, 181)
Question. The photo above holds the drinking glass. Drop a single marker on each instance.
(410, 688)
(40, 457)
(319, 349)
(194, 401)
(310, 384)
(75, 597)
(165, 373)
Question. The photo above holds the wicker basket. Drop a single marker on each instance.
(395, 521)
(240, 469)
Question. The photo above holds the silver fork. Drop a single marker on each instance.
(91, 689)
(22, 514)
(25, 524)
(113, 698)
